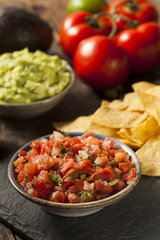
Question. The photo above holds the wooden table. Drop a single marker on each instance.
(16, 133)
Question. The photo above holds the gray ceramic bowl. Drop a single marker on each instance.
(30, 110)
(76, 209)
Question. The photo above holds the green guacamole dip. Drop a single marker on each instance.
(28, 77)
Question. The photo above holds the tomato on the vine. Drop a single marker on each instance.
(100, 63)
(140, 11)
(76, 27)
(142, 45)
(92, 6)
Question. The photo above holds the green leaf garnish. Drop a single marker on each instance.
(33, 186)
(64, 133)
(96, 165)
(122, 178)
(90, 193)
(83, 196)
(113, 161)
(82, 176)
(90, 157)
(49, 153)
(26, 176)
(55, 179)
(73, 175)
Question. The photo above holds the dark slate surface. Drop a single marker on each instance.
(135, 217)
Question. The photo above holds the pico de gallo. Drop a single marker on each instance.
(74, 169)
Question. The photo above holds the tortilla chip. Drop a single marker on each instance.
(80, 124)
(110, 118)
(117, 105)
(104, 103)
(133, 102)
(149, 156)
(150, 98)
(146, 129)
(142, 85)
(110, 132)
(126, 134)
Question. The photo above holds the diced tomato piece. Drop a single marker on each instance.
(86, 167)
(130, 175)
(71, 175)
(125, 166)
(58, 196)
(76, 144)
(19, 161)
(77, 186)
(22, 153)
(19, 168)
(43, 176)
(29, 170)
(36, 146)
(102, 186)
(101, 195)
(73, 198)
(38, 189)
(67, 165)
(120, 155)
(119, 186)
(108, 173)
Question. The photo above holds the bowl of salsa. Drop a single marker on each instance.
(75, 173)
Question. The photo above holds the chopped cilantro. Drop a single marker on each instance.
(55, 179)
(90, 193)
(64, 133)
(83, 196)
(63, 150)
(49, 153)
(122, 178)
(113, 161)
(26, 176)
(73, 175)
(33, 186)
(90, 157)
(82, 176)
(26, 161)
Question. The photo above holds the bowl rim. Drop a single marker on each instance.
(79, 206)
(46, 100)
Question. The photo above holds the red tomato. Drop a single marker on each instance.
(140, 10)
(74, 29)
(142, 45)
(100, 63)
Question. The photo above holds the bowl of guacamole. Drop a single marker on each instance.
(32, 82)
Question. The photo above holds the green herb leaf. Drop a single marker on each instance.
(90, 193)
(96, 165)
(90, 157)
(26, 176)
(83, 196)
(113, 161)
(49, 153)
(26, 161)
(33, 186)
(122, 178)
(64, 133)
(73, 175)
(55, 179)
(82, 176)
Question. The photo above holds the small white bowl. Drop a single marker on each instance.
(35, 109)
(75, 209)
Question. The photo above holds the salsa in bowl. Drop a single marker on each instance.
(74, 174)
